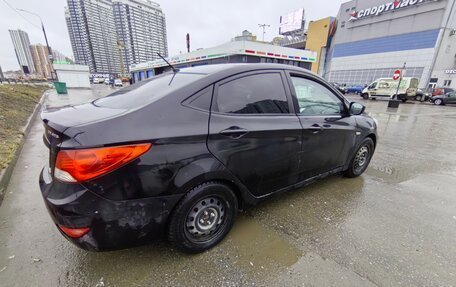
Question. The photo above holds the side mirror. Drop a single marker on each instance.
(356, 108)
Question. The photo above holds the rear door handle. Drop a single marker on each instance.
(234, 132)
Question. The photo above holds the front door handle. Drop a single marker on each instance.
(316, 129)
(234, 132)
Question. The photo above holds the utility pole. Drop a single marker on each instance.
(50, 57)
(400, 81)
(264, 28)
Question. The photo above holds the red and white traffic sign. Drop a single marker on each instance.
(397, 75)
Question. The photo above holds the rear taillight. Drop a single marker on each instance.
(85, 164)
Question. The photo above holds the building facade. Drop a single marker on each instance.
(40, 56)
(319, 36)
(21, 45)
(141, 31)
(93, 34)
(246, 36)
(376, 37)
(61, 58)
(110, 35)
(231, 52)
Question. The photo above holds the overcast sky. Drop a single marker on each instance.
(209, 22)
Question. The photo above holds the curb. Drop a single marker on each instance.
(5, 174)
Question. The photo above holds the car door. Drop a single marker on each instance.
(450, 98)
(254, 132)
(328, 132)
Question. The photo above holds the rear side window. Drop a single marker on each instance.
(147, 91)
(255, 94)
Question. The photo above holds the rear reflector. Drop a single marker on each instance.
(74, 232)
(85, 164)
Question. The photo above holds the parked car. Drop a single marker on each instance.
(387, 87)
(441, 91)
(448, 98)
(355, 89)
(339, 87)
(181, 152)
(118, 83)
(106, 81)
(422, 95)
(97, 80)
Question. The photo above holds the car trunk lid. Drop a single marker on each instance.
(64, 123)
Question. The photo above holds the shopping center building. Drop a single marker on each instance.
(376, 37)
(231, 52)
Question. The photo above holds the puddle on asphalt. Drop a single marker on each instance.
(260, 248)
(390, 173)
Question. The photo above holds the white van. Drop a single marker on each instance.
(387, 87)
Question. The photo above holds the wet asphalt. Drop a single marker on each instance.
(393, 226)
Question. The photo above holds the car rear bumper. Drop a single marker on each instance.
(113, 224)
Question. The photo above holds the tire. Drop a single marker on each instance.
(438, 102)
(418, 98)
(355, 169)
(365, 96)
(203, 217)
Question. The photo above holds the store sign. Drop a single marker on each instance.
(380, 9)
(450, 71)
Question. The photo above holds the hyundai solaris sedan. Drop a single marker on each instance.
(179, 154)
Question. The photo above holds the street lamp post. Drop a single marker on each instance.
(50, 57)
(264, 28)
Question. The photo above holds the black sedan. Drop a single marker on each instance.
(448, 98)
(181, 153)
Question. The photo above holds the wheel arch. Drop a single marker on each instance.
(373, 137)
(243, 195)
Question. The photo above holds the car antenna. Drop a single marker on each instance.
(172, 67)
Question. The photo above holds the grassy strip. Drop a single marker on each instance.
(16, 104)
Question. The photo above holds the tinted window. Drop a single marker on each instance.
(315, 99)
(201, 100)
(147, 91)
(256, 94)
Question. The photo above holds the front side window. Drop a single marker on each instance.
(315, 99)
(255, 94)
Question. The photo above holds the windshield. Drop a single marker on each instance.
(147, 91)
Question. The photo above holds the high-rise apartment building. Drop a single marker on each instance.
(40, 57)
(93, 34)
(21, 45)
(141, 30)
(110, 35)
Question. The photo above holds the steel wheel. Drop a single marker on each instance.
(205, 219)
(361, 158)
(438, 102)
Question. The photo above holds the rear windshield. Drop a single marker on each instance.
(147, 91)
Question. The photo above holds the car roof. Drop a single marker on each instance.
(234, 68)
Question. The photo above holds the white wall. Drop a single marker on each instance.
(74, 79)
(75, 76)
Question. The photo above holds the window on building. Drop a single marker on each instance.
(447, 83)
(255, 94)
